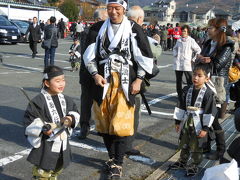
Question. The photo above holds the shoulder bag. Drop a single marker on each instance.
(46, 43)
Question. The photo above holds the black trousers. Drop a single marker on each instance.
(33, 46)
(62, 34)
(137, 114)
(169, 43)
(237, 94)
(216, 125)
(86, 105)
(179, 75)
(116, 147)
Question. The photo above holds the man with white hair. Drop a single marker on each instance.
(100, 14)
(136, 14)
(118, 56)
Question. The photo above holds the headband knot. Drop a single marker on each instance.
(50, 75)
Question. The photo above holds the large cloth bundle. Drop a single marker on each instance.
(233, 74)
(227, 171)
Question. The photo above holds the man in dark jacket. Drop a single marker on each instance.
(34, 31)
(87, 83)
(61, 27)
(51, 33)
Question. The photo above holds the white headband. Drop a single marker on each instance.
(120, 2)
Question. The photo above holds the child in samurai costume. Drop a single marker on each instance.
(75, 55)
(193, 118)
(49, 120)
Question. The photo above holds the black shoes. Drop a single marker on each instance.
(33, 55)
(133, 152)
(84, 133)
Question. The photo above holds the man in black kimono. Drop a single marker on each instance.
(118, 56)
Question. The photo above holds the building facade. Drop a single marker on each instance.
(161, 10)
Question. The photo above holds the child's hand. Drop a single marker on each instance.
(202, 134)
(47, 129)
(48, 133)
(177, 128)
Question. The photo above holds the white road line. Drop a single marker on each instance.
(55, 54)
(159, 99)
(86, 146)
(5, 73)
(25, 56)
(31, 68)
(20, 155)
(142, 159)
(168, 65)
(160, 113)
(154, 101)
(41, 58)
(27, 44)
(17, 156)
(62, 54)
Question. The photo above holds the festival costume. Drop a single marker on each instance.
(76, 57)
(195, 113)
(120, 53)
(49, 157)
(108, 53)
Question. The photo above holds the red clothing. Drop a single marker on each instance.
(177, 33)
(170, 33)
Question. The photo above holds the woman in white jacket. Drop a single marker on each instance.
(184, 53)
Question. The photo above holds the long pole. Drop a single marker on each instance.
(33, 105)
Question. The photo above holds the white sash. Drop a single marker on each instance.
(197, 104)
(52, 108)
(61, 139)
(123, 34)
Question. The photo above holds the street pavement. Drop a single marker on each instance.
(156, 138)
